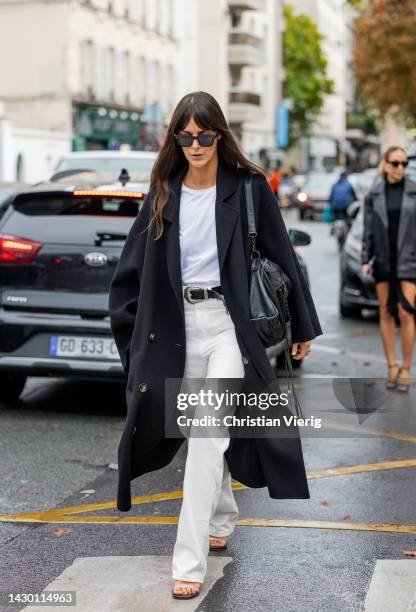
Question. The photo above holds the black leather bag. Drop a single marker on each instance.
(269, 289)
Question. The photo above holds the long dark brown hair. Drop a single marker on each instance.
(207, 114)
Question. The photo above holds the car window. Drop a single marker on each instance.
(111, 164)
(315, 181)
(69, 204)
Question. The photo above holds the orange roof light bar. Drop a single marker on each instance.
(110, 194)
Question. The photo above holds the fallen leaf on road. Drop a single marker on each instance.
(334, 363)
(60, 531)
(366, 363)
(29, 493)
(325, 503)
(347, 517)
(410, 553)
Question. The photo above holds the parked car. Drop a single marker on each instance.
(363, 181)
(7, 192)
(411, 170)
(314, 196)
(60, 242)
(356, 290)
(139, 164)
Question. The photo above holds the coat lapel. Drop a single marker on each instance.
(379, 202)
(406, 212)
(226, 212)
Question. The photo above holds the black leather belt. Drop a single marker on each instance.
(198, 294)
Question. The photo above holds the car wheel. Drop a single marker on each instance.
(349, 312)
(11, 386)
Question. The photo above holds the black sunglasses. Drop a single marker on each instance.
(204, 140)
(396, 163)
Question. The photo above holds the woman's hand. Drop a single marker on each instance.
(300, 350)
(365, 269)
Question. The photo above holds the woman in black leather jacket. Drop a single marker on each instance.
(389, 253)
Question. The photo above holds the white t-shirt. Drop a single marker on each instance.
(197, 236)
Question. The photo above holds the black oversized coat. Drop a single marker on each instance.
(148, 324)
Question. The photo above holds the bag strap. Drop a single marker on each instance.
(251, 218)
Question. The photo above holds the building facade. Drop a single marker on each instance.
(102, 72)
(243, 67)
(107, 74)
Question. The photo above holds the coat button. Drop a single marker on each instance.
(143, 387)
(245, 360)
(152, 336)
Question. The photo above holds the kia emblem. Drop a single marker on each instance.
(96, 259)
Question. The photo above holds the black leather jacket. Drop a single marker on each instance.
(376, 238)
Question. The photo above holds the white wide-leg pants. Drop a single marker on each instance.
(208, 505)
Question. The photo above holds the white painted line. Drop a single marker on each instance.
(392, 587)
(124, 584)
(345, 353)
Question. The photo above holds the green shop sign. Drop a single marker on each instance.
(106, 123)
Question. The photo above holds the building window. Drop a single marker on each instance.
(87, 68)
(109, 73)
(171, 87)
(151, 14)
(122, 76)
(140, 10)
(141, 81)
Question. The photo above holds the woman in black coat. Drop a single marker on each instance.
(192, 230)
(389, 253)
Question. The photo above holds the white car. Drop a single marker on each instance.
(139, 164)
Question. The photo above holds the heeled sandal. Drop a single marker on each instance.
(391, 383)
(213, 539)
(186, 584)
(402, 385)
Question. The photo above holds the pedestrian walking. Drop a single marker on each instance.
(179, 307)
(274, 177)
(389, 253)
(342, 195)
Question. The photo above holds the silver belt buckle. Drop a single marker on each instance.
(192, 300)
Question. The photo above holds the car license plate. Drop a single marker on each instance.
(83, 346)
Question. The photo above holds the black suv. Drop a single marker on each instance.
(60, 242)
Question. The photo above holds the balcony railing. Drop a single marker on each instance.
(245, 38)
(243, 5)
(244, 97)
(244, 106)
(244, 49)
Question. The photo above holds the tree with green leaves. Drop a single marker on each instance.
(306, 83)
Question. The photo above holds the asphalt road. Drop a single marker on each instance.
(58, 449)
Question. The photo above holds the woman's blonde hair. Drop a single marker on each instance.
(386, 156)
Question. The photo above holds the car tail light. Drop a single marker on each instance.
(16, 250)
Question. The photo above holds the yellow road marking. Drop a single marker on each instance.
(247, 522)
(65, 515)
(366, 467)
(384, 433)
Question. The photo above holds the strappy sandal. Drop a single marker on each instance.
(213, 539)
(186, 584)
(391, 383)
(402, 385)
